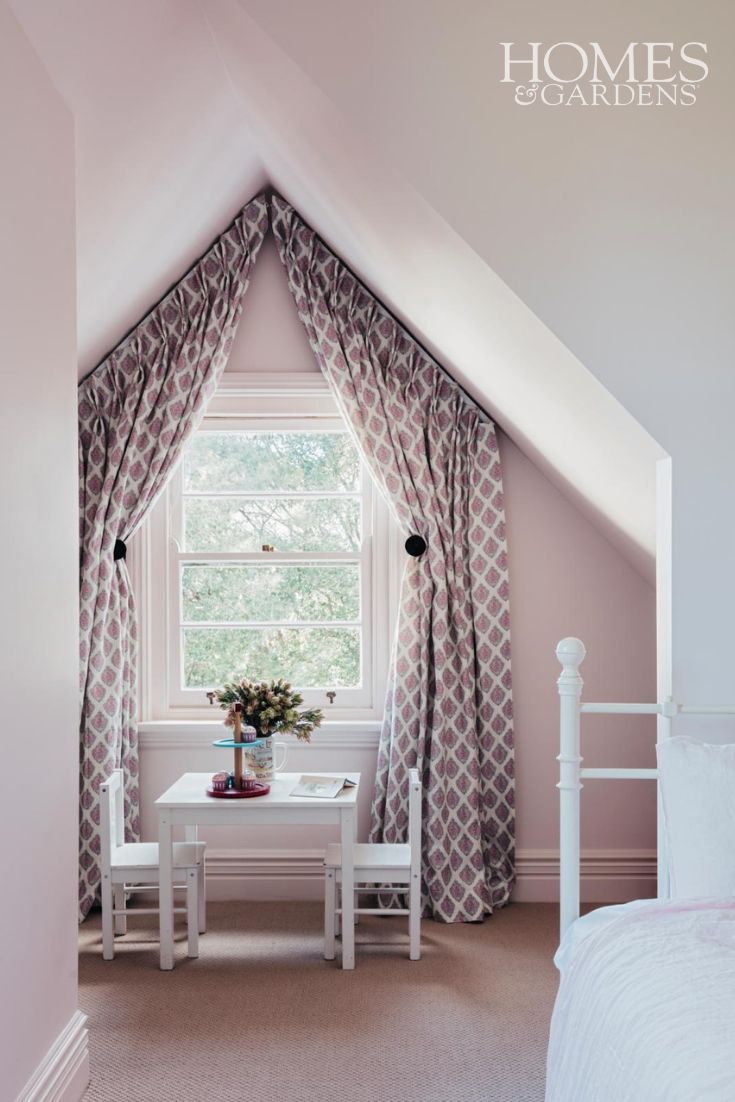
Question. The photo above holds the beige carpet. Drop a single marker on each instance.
(261, 1016)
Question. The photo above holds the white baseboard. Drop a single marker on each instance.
(608, 876)
(63, 1074)
(269, 874)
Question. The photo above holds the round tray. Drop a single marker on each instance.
(230, 744)
(258, 789)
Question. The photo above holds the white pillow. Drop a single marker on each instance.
(698, 790)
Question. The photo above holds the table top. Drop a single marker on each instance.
(190, 790)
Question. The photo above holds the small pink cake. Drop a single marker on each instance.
(248, 780)
(219, 781)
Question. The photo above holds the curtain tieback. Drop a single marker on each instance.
(120, 551)
(415, 545)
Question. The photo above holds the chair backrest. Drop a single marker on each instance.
(414, 820)
(112, 817)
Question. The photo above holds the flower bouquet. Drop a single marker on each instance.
(271, 707)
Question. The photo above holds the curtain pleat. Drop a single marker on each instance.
(137, 410)
(435, 457)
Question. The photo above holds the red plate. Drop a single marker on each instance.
(258, 789)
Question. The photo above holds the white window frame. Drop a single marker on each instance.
(271, 401)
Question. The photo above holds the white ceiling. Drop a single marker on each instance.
(384, 124)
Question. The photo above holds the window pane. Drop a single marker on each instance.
(308, 657)
(267, 593)
(261, 461)
(289, 524)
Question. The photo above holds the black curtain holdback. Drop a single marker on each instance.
(415, 545)
(120, 551)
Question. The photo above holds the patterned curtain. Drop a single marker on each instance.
(435, 457)
(136, 412)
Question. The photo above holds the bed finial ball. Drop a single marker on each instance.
(571, 652)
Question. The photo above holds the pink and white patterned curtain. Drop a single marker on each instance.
(136, 412)
(435, 457)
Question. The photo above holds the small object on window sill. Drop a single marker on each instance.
(248, 780)
(330, 697)
(211, 697)
(219, 781)
(267, 547)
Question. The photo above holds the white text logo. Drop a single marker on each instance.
(644, 74)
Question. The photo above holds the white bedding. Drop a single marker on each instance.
(646, 1005)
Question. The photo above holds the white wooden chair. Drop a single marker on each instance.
(133, 867)
(379, 863)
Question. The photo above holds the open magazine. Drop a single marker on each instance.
(321, 787)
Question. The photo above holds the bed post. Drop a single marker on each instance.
(663, 732)
(570, 653)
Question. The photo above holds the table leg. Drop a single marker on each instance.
(348, 887)
(166, 892)
(191, 835)
(357, 898)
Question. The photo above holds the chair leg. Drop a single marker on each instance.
(202, 898)
(414, 919)
(330, 906)
(337, 903)
(121, 921)
(192, 912)
(108, 935)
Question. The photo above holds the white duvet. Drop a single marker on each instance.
(646, 1005)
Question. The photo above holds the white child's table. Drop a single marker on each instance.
(186, 804)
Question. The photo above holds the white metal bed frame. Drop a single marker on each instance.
(571, 653)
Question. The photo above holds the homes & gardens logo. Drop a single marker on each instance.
(644, 74)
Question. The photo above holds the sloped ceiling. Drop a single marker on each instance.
(164, 158)
(366, 117)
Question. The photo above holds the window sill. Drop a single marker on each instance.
(182, 734)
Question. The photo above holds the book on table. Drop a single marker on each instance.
(321, 787)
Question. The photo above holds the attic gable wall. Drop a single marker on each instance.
(183, 109)
(565, 578)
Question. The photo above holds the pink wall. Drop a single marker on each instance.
(566, 579)
(38, 573)
(270, 336)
